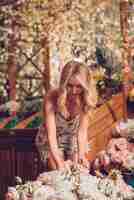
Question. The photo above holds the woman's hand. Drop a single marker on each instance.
(65, 165)
(84, 162)
(68, 165)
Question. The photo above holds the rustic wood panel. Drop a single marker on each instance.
(105, 123)
(18, 156)
(102, 123)
(93, 150)
(26, 162)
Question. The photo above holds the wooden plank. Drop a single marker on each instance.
(93, 150)
(98, 143)
(98, 128)
(26, 164)
(102, 140)
(105, 123)
(99, 132)
(104, 111)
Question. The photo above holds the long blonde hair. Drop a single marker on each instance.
(89, 97)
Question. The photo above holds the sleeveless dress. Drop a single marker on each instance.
(66, 132)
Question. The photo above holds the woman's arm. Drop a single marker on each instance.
(51, 130)
(83, 140)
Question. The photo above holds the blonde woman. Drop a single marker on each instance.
(62, 140)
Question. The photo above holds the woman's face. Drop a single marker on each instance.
(74, 86)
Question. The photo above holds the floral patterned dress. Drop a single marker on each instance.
(66, 130)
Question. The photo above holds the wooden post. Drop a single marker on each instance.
(124, 11)
(46, 74)
(12, 70)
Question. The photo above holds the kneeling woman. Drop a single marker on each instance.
(62, 139)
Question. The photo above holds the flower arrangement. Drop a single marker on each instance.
(125, 129)
(76, 184)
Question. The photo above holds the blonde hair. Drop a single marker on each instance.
(89, 97)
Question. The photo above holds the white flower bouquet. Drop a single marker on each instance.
(76, 184)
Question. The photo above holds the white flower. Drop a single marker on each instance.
(43, 193)
(12, 106)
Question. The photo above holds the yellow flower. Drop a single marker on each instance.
(98, 74)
